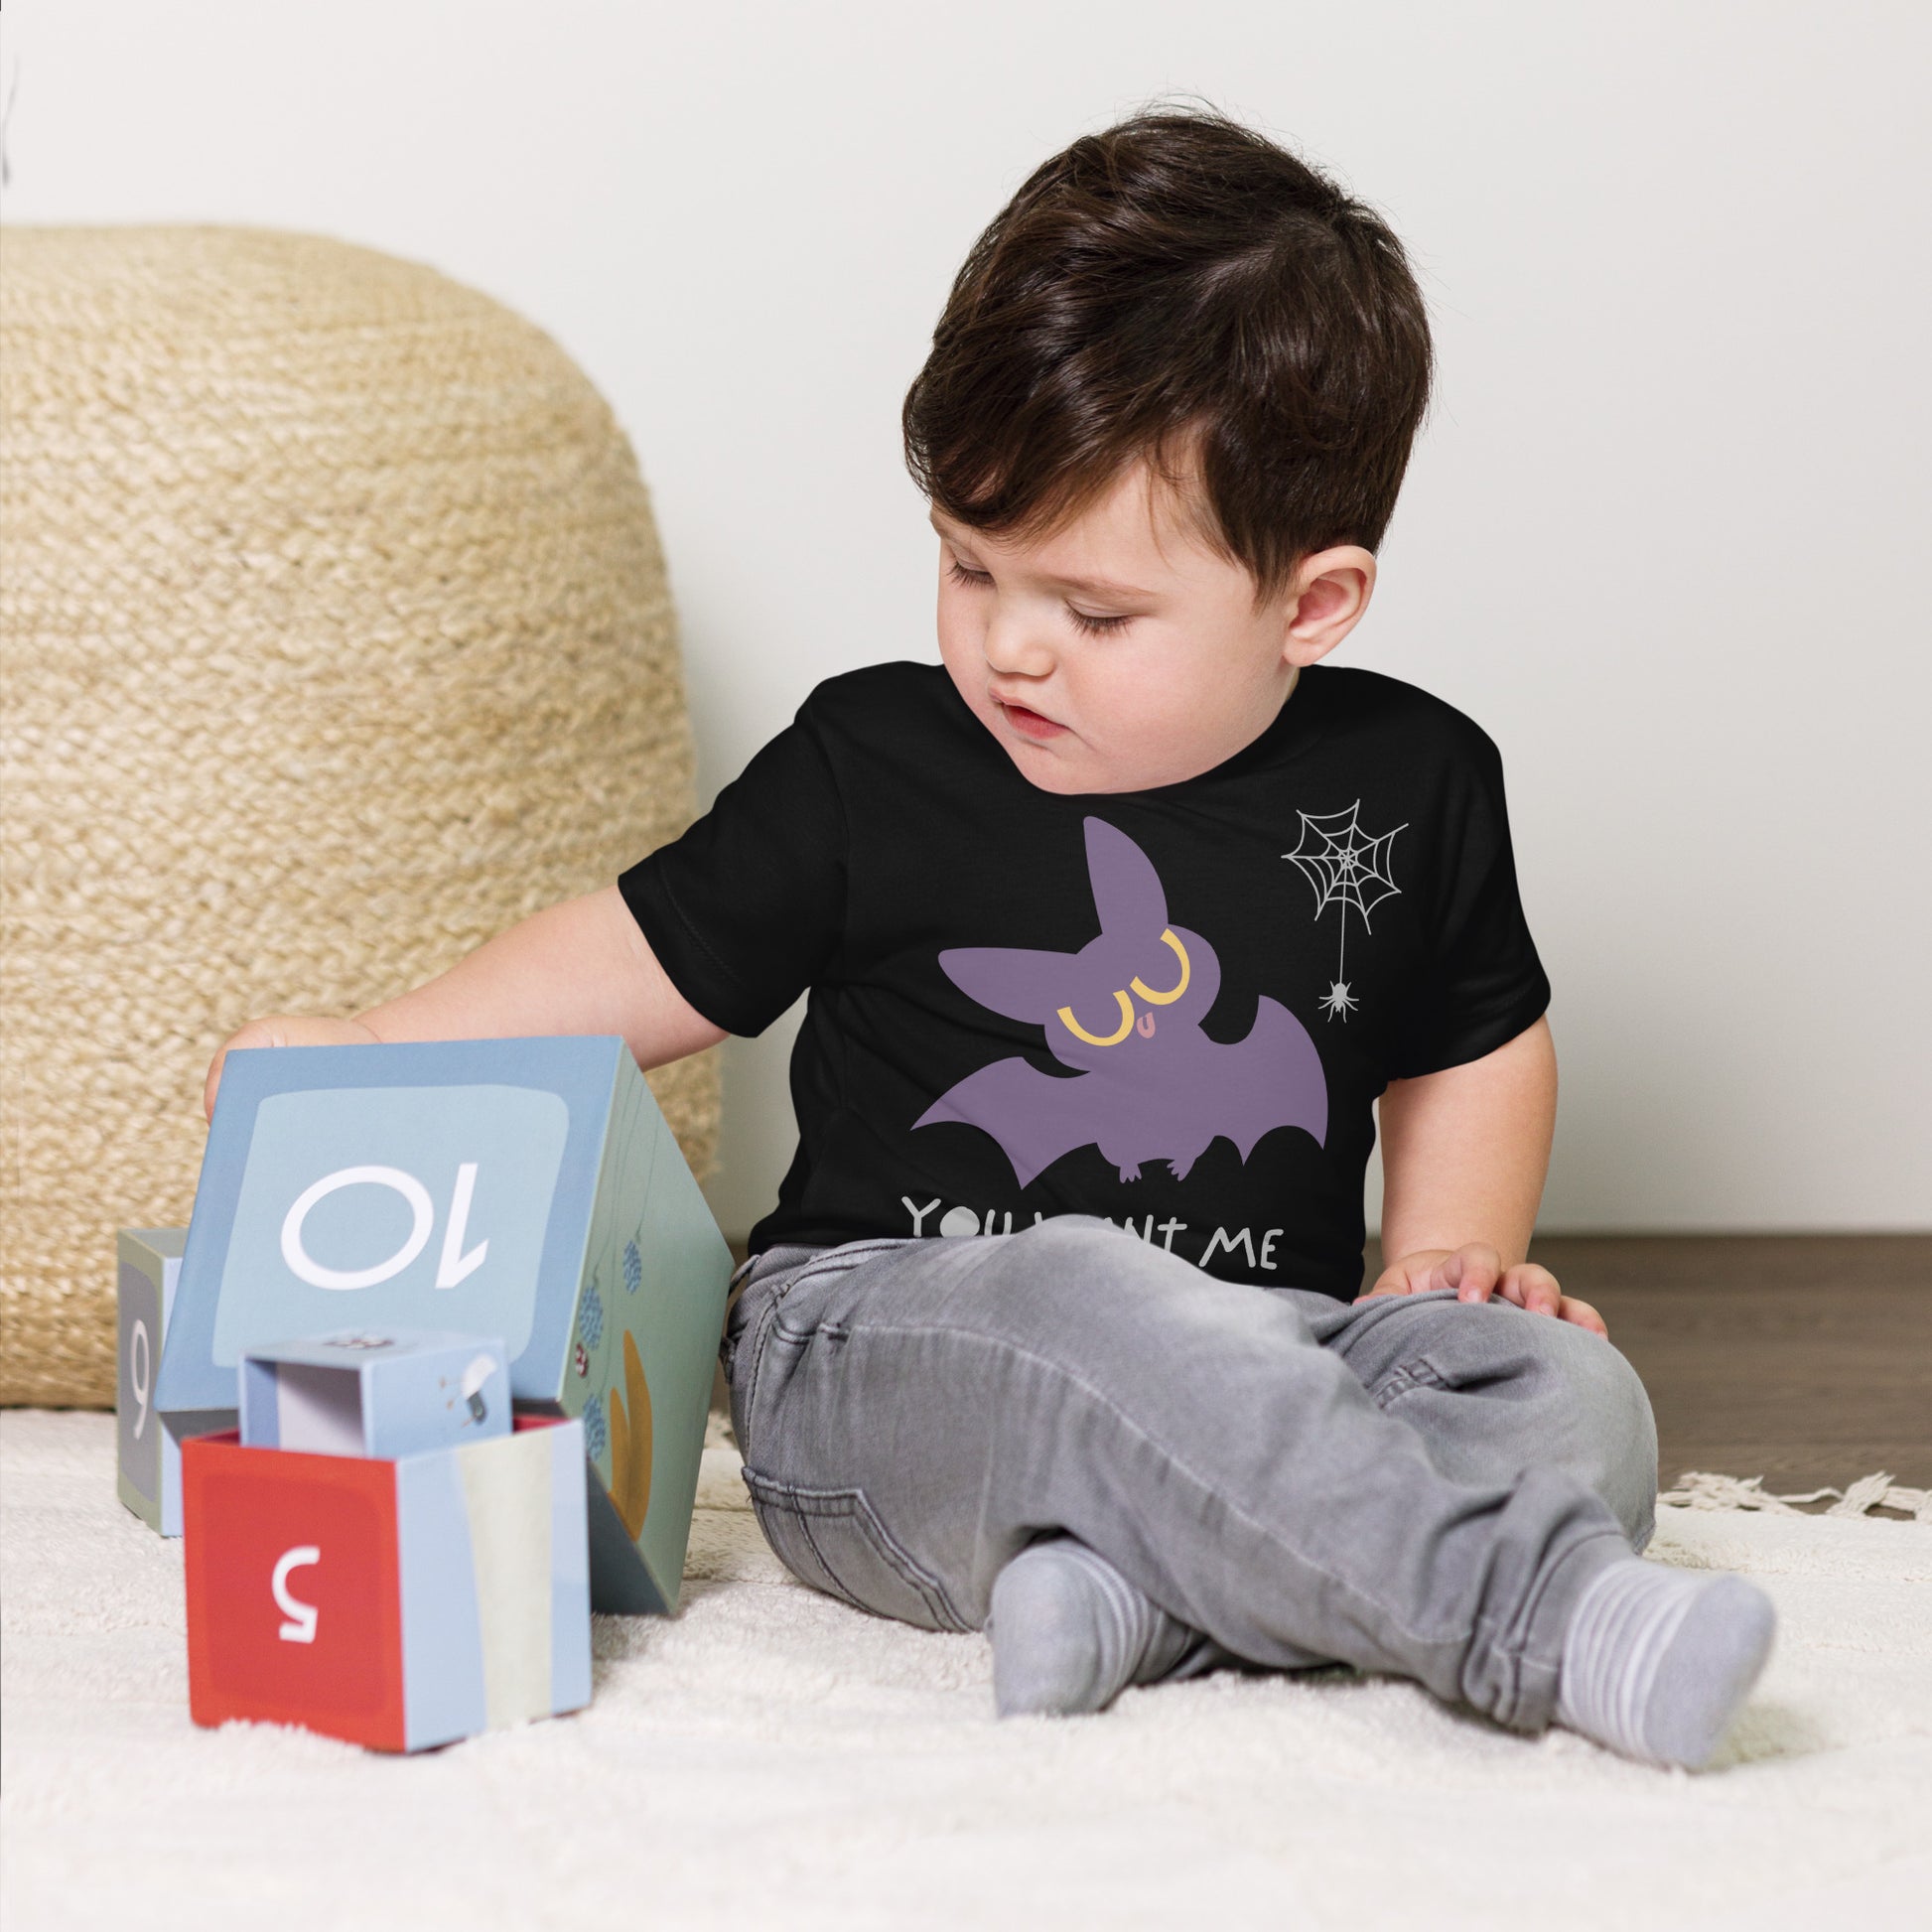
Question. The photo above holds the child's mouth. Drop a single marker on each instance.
(1030, 723)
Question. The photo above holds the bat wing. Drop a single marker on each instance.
(1034, 1117)
(1275, 1079)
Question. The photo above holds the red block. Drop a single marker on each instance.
(293, 1604)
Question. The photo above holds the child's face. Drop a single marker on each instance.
(1121, 652)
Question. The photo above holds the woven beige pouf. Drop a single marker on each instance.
(336, 638)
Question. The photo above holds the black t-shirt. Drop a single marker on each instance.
(1173, 1007)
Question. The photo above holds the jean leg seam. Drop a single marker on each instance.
(1513, 1647)
(839, 1589)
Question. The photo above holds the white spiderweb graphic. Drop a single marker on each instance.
(1346, 868)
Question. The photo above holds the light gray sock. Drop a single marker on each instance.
(1069, 1633)
(1656, 1662)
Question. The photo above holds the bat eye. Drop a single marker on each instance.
(1113, 1039)
(1179, 986)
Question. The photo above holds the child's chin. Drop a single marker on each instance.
(1049, 768)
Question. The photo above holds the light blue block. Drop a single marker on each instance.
(495, 1594)
(387, 1394)
(527, 1188)
(442, 1627)
(569, 1571)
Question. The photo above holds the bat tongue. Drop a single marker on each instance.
(1143, 1025)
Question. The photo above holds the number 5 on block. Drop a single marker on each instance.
(301, 1624)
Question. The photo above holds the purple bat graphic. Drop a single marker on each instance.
(1126, 1010)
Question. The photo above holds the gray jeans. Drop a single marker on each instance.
(1410, 1484)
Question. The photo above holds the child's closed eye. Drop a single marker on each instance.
(1083, 619)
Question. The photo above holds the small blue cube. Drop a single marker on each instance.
(382, 1394)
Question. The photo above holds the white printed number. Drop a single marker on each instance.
(301, 1624)
(453, 1265)
(139, 1358)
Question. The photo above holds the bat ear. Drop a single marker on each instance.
(1127, 891)
(1012, 980)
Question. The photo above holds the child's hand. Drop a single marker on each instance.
(1475, 1272)
(284, 1030)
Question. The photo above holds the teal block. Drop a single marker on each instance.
(524, 1189)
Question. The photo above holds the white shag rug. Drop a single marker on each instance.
(771, 1759)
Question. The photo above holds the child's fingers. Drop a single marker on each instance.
(255, 1033)
(1471, 1271)
(1583, 1316)
(282, 1030)
(1533, 1288)
(1392, 1282)
(1407, 1275)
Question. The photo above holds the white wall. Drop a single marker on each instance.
(1666, 536)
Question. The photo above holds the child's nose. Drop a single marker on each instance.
(1014, 648)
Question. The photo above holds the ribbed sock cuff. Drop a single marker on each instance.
(1656, 1662)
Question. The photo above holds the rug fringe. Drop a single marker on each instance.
(1699, 1490)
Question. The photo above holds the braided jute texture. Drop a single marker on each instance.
(337, 637)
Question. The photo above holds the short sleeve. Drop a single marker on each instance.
(745, 909)
(1480, 982)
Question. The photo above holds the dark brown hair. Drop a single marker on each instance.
(1178, 289)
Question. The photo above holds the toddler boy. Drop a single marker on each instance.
(1115, 928)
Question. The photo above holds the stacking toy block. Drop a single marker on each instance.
(526, 1189)
(375, 1395)
(400, 1603)
(149, 1265)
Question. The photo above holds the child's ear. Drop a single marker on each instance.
(1325, 600)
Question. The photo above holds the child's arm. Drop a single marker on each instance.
(1464, 1157)
(582, 967)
